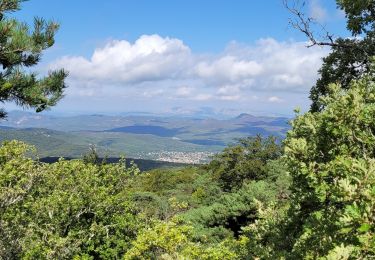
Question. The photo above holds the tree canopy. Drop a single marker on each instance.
(244, 161)
(349, 58)
(331, 158)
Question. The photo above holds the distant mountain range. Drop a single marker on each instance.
(145, 137)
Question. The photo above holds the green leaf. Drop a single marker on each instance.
(364, 227)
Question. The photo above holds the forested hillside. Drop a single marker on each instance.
(308, 196)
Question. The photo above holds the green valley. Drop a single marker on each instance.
(177, 139)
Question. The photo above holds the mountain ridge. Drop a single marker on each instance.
(148, 137)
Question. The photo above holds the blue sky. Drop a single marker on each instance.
(177, 56)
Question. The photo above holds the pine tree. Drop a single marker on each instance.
(21, 48)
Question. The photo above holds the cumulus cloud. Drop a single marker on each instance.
(150, 58)
(167, 68)
(228, 69)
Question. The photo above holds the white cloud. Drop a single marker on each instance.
(167, 68)
(228, 69)
(290, 66)
(150, 58)
(275, 99)
(287, 79)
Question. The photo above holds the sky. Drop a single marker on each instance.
(185, 56)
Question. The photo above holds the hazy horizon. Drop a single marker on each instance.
(202, 112)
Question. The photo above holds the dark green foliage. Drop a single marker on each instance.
(232, 211)
(20, 48)
(227, 214)
(164, 181)
(163, 193)
(18, 176)
(92, 156)
(349, 58)
(360, 15)
(82, 209)
(342, 65)
(243, 162)
(64, 209)
(331, 158)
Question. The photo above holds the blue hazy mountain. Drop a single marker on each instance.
(138, 136)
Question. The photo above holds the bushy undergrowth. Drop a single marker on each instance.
(312, 197)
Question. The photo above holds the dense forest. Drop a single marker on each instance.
(309, 196)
